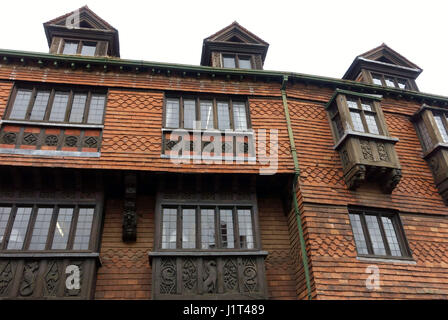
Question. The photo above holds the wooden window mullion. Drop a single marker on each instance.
(87, 107)
(181, 113)
(52, 227)
(31, 104)
(363, 116)
(31, 224)
(179, 227)
(383, 235)
(366, 233)
(236, 227)
(73, 227)
(68, 110)
(7, 234)
(50, 104)
(217, 231)
(215, 113)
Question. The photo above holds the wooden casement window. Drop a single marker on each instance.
(207, 228)
(363, 115)
(432, 126)
(378, 234)
(46, 227)
(390, 81)
(212, 113)
(64, 105)
(81, 47)
(237, 61)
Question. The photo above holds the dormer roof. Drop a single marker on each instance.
(234, 38)
(385, 58)
(91, 26)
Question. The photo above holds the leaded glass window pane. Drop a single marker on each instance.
(426, 139)
(21, 103)
(246, 230)
(189, 113)
(83, 229)
(207, 115)
(352, 104)
(402, 84)
(4, 218)
(371, 123)
(228, 61)
(79, 104)
(40, 229)
(358, 233)
(375, 235)
(62, 230)
(40, 105)
(239, 116)
(172, 113)
(357, 122)
(366, 106)
(169, 226)
(19, 228)
(188, 228)
(59, 106)
(208, 229)
(96, 109)
(70, 47)
(338, 126)
(441, 128)
(223, 116)
(377, 80)
(391, 236)
(226, 226)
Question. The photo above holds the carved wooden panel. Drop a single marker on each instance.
(45, 278)
(204, 276)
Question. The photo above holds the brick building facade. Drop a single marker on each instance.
(280, 185)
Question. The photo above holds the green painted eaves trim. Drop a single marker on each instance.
(278, 75)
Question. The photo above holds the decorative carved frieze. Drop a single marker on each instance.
(9, 138)
(52, 279)
(130, 210)
(51, 140)
(28, 283)
(6, 276)
(203, 275)
(29, 139)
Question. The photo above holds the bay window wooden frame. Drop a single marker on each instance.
(53, 89)
(35, 204)
(398, 228)
(215, 100)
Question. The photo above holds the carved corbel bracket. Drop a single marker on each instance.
(130, 210)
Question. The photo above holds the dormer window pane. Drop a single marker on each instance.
(229, 61)
(390, 82)
(377, 80)
(88, 49)
(245, 63)
(70, 47)
(402, 84)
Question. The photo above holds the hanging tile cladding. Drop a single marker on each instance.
(338, 274)
(132, 135)
(321, 168)
(126, 273)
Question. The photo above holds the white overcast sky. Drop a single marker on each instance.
(314, 37)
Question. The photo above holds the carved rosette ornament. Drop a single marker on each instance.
(130, 210)
(9, 138)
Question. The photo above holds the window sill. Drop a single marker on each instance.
(212, 131)
(350, 133)
(434, 148)
(50, 153)
(250, 160)
(53, 124)
(403, 260)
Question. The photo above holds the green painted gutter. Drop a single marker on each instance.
(294, 186)
(277, 75)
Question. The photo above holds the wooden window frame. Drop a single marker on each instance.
(215, 100)
(53, 89)
(376, 112)
(383, 77)
(81, 43)
(35, 205)
(398, 228)
(198, 216)
(237, 57)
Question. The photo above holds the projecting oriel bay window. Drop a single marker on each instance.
(362, 140)
(432, 128)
